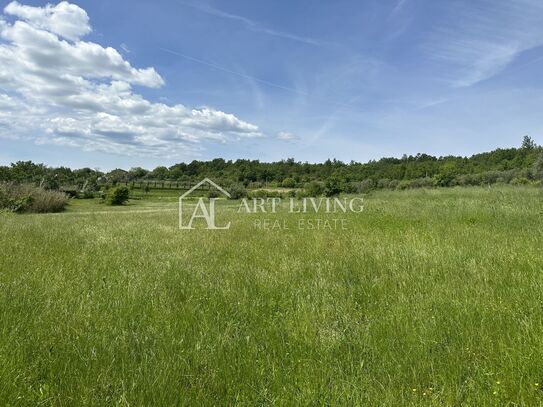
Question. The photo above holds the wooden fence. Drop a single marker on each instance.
(179, 185)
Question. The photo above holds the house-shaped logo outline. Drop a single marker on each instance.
(199, 184)
(224, 192)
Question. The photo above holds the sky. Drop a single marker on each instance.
(107, 84)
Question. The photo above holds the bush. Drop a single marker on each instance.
(403, 184)
(520, 181)
(490, 177)
(313, 188)
(29, 199)
(467, 180)
(86, 194)
(237, 191)
(383, 183)
(425, 182)
(538, 168)
(288, 183)
(117, 196)
(361, 187)
(332, 187)
(71, 192)
(213, 194)
(393, 184)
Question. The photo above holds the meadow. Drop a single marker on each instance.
(428, 297)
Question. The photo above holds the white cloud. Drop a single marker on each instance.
(78, 93)
(45, 52)
(65, 19)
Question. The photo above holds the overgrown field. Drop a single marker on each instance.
(430, 297)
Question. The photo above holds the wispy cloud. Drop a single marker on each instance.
(478, 39)
(256, 26)
(286, 136)
(308, 95)
(399, 5)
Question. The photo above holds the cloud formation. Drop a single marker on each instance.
(286, 136)
(65, 19)
(257, 26)
(57, 88)
(478, 39)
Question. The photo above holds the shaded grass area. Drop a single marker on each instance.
(429, 297)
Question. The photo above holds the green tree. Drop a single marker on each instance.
(160, 173)
(137, 173)
(117, 196)
(117, 175)
(528, 143)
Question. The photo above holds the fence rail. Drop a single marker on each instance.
(179, 185)
(137, 184)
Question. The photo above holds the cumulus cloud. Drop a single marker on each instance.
(65, 19)
(78, 93)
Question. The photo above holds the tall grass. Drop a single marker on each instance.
(30, 199)
(428, 298)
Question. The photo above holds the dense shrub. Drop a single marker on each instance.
(393, 184)
(444, 180)
(29, 199)
(288, 183)
(86, 194)
(332, 187)
(490, 177)
(383, 183)
(538, 168)
(425, 182)
(213, 194)
(361, 187)
(313, 188)
(467, 180)
(237, 191)
(117, 195)
(520, 181)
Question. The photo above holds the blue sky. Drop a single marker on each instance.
(183, 80)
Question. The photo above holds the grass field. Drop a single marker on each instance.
(428, 298)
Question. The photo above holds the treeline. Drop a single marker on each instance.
(521, 165)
